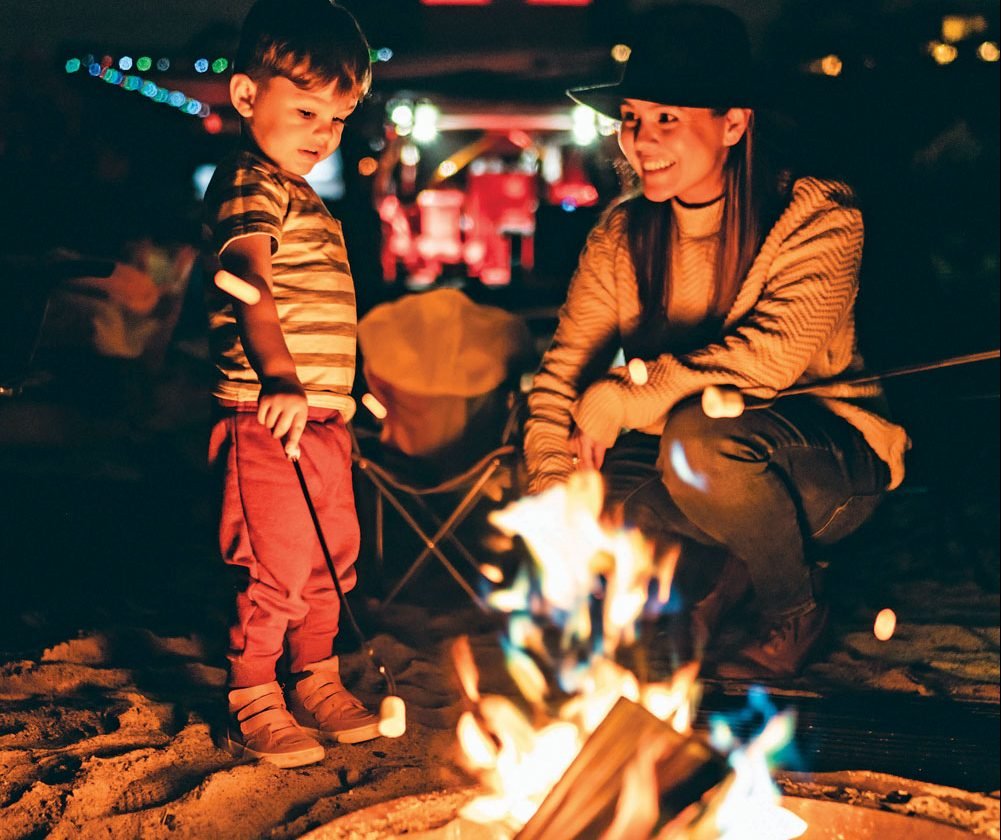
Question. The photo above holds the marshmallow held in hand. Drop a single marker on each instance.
(720, 402)
(637, 371)
(237, 287)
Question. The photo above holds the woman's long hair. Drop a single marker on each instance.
(747, 208)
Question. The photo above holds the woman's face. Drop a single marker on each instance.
(679, 152)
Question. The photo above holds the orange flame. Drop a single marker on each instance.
(469, 676)
(577, 553)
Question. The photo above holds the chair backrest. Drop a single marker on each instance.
(442, 365)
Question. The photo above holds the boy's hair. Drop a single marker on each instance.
(310, 42)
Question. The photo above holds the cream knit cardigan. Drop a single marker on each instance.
(791, 323)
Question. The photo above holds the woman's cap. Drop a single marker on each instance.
(685, 55)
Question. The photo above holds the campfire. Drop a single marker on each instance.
(600, 748)
(618, 759)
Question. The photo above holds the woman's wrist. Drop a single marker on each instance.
(600, 411)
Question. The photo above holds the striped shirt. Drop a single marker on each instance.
(792, 323)
(310, 280)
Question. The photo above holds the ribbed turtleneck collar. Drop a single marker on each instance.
(699, 220)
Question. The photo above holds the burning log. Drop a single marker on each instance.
(582, 803)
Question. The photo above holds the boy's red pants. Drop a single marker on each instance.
(265, 527)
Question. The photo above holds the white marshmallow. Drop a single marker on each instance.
(237, 287)
(392, 717)
(722, 402)
(372, 404)
(637, 371)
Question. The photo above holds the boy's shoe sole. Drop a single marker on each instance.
(355, 735)
(295, 758)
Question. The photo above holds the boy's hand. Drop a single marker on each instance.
(282, 408)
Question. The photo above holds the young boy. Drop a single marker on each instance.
(285, 370)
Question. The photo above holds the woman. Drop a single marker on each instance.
(712, 277)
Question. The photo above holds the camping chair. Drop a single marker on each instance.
(442, 367)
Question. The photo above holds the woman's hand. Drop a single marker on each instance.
(588, 454)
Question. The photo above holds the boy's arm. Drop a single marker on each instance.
(282, 406)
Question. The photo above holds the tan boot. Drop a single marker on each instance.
(262, 727)
(782, 649)
(731, 587)
(324, 707)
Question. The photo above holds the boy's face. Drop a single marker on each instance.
(295, 128)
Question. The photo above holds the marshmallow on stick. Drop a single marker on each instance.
(237, 287)
(392, 716)
(371, 402)
(720, 401)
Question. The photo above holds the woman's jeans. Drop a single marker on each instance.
(767, 486)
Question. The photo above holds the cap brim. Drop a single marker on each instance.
(605, 99)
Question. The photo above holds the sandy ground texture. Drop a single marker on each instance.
(110, 734)
(113, 615)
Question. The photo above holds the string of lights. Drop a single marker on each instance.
(200, 65)
(146, 87)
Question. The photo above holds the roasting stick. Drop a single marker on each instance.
(392, 710)
(726, 401)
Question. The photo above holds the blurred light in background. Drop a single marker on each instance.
(552, 163)
(410, 155)
(367, 166)
(402, 116)
(425, 122)
(220, 65)
(144, 63)
(942, 53)
(201, 65)
(829, 65)
(957, 28)
(126, 81)
(988, 51)
(212, 123)
(585, 129)
(161, 64)
(125, 62)
(620, 53)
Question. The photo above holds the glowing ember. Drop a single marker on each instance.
(885, 625)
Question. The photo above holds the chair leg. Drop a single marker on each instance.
(430, 544)
(447, 528)
(436, 521)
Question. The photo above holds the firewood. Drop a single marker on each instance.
(582, 803)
